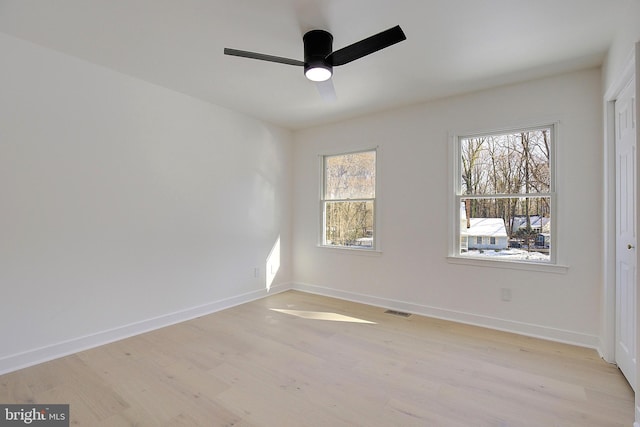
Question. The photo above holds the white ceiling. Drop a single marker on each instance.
(452, 46)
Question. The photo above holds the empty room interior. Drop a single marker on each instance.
(314, 213)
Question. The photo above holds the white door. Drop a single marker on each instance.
(626, 233)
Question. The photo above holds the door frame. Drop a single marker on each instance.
(607, 345)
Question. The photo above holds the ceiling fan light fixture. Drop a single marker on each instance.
(319, 56)
(317, 47)
(318, 73)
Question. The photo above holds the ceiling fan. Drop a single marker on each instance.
(319, 57)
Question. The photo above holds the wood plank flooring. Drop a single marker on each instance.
(295, 359)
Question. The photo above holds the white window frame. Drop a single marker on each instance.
(455, 186)
(375, 246)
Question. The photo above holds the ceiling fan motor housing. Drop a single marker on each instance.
(318, 45)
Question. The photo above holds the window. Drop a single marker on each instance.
(504, 196)
(348, 200)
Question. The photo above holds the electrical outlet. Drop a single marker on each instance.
(256, 272)
(505, 294)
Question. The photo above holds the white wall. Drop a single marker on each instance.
(124, 205)
(412, 272)
(623, 44)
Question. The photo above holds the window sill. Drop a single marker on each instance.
(513, 265)
(352, 251)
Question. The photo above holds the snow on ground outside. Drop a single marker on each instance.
(510, 254)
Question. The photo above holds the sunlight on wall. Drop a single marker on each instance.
(322, 315)
(273, 263)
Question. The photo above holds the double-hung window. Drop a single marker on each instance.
(504, 199)
(348, 200)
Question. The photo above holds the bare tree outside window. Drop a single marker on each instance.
(505, 195)
(348, 201)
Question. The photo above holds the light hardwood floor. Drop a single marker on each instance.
(295, 359)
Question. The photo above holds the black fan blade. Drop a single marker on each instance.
(262, 57)
(367, 46)
(327, 91)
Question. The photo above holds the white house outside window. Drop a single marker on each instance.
(348, 200)
(504, 196)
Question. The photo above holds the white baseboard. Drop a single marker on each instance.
(606, 352)
(528, 329)
(39, 355)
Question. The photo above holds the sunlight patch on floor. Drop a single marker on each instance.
(322, 315)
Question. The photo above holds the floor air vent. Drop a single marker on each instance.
(398, 313)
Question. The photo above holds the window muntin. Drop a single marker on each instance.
(348, 200)
(505, 195)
